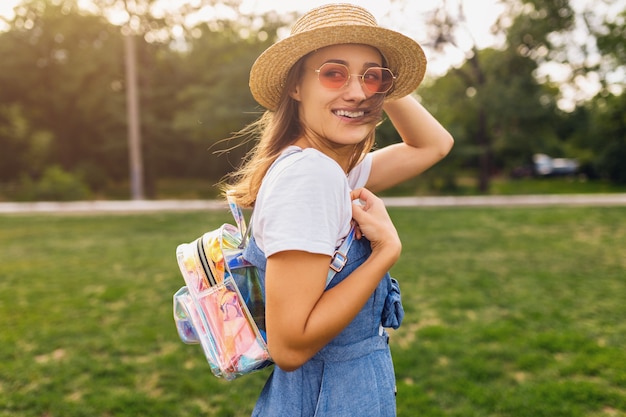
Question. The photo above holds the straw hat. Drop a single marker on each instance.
(335, 24)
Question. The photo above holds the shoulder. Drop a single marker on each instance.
(307, 172)
(359, 175)
(303, 204)
(308, 165)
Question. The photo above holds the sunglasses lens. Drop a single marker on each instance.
(378, 80)
(375, 79)
(333, 75)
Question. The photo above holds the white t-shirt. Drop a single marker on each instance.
(304, 202)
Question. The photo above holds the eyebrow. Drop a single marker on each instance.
(341, 61)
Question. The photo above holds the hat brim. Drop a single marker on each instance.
(404, 57)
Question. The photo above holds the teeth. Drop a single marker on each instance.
(351, 114)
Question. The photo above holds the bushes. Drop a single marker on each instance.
(55, 184)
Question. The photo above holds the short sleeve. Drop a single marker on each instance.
(357, 178)
(303, 204)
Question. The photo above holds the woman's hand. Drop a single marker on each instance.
(374, 222)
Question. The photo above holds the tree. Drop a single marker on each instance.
(62, 94)
(61, 72)
(218, 101)
(195, 94)
(600, 51)
(595, 130)
(527, 26)
(608, 137)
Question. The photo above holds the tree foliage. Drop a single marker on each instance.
(61, 82)
(500, 111)
(63, 101)
(62, 97)
(608, 137)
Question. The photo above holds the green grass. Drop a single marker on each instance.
(510, 312)
(426, 185)
(555, 185)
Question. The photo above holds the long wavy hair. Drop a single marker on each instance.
(276, 130)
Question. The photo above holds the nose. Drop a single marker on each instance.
(355, 89)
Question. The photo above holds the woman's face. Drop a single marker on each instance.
(337, 115)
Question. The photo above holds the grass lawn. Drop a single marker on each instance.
(510, 312)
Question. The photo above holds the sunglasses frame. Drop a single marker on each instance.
(360, 76)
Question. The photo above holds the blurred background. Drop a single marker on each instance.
(510, 311)
(136, 99)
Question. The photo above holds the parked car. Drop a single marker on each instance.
(545, 165)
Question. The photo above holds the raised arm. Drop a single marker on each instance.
(424, 142)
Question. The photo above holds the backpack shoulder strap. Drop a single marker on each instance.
(340, 258)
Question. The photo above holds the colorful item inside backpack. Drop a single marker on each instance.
(221, 307)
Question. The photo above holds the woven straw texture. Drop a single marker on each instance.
(335, 24)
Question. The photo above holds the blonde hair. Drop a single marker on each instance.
(276, 130)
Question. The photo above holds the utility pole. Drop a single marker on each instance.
(132, 108)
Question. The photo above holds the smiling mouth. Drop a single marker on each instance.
(349, 114)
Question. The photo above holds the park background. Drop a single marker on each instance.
(511, 311)
(112, 99)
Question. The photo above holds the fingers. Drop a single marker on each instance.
(364, 201)
(363, 195)
(371, 216)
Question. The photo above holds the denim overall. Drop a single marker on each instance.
(353, 375)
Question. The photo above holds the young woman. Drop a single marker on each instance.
(312, 174)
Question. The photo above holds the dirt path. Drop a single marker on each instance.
(199, 205)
